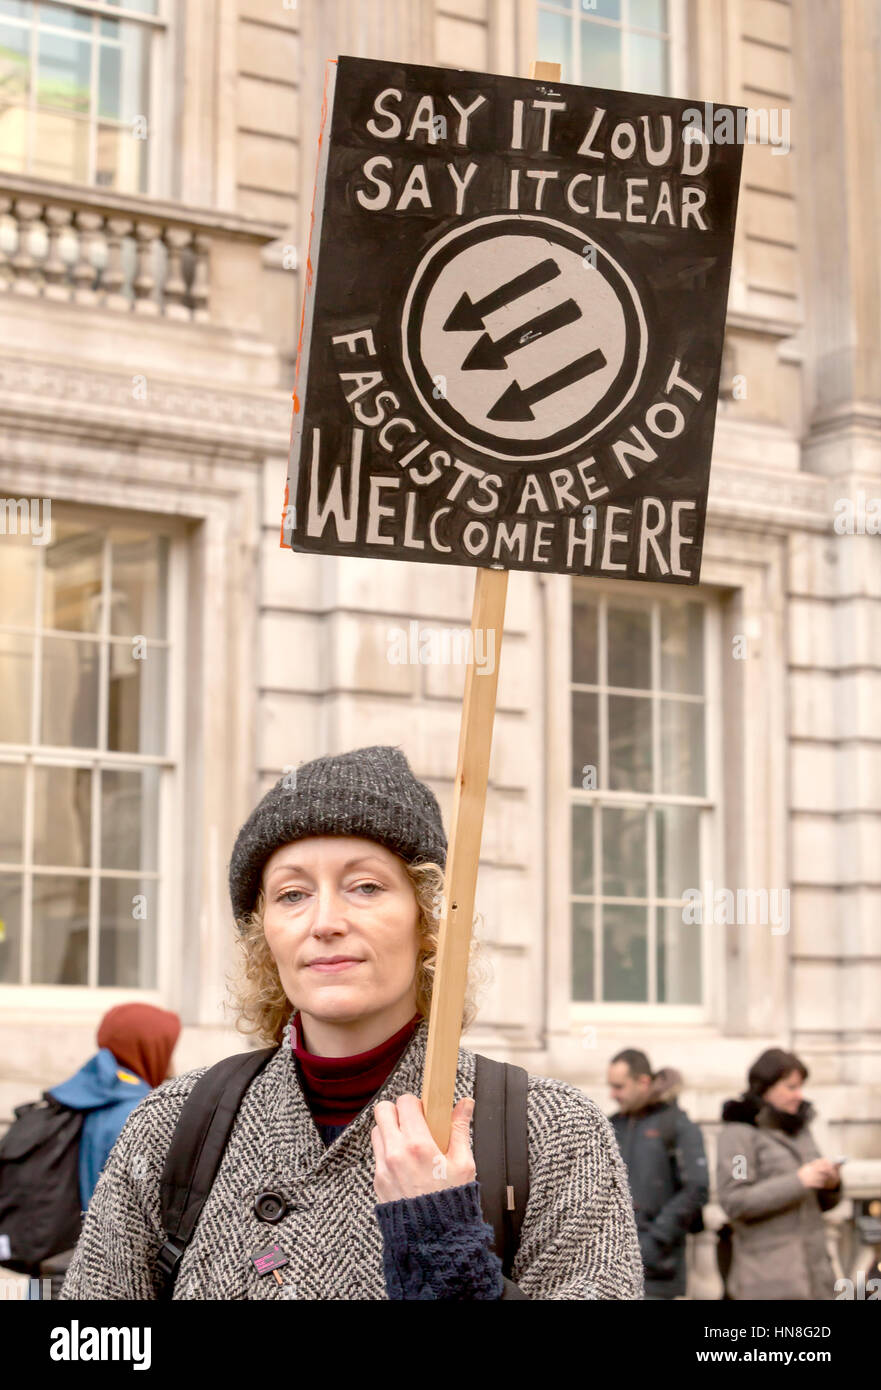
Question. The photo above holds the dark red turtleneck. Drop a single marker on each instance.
(338, 1088)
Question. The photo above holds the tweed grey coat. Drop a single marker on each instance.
(578, 1239)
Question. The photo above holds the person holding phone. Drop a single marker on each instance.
(774, 1185)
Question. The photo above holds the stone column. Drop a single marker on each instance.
(835, 578)
(840, 196)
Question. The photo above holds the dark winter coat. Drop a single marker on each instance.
(778, 1245)
(668, 1183)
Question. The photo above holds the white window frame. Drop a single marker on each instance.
(161, 64)
(84, 999)
(564, 1011)
(676, 39)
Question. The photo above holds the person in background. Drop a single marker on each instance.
(774, 1186)
(663, 1151)
(135, 1043)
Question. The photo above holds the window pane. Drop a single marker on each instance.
(649, 14)
(555, 41)
(60, 947)
(583, 985)
(16, 677)
(136, 699)
(624, 852)
(129, 818)
(678, 849)
(682, 748)
(18, 9)
(630, 743)
(12, 817)
(678, 958)
(19, 558)
(63, 17)
(120, 160)
(630, 647)
(682, 648)
(127, 940)
(14, 61)
(584, 638)
(139, 6)
(123, 75)
(625, 975)
(13, 143)
(138, 577)
(648, 64)
(61, 147)
(582, 849)
(605, 9)
(585, 740)
(10, 929)
(63, 816)
(63, 72)
(109, 76)
(70, 693)
(600, 56)
(72, 583)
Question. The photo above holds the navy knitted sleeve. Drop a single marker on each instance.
(439, 1246)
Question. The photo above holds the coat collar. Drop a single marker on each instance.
(291, 1144)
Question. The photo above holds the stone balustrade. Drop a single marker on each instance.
(124, 254)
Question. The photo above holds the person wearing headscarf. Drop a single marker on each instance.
(135, 1043)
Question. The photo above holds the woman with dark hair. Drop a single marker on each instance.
(773, 1185)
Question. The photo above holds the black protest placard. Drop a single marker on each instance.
(512, 331)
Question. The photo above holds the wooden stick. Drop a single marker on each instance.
(545, 72)
(466, 829)
(460, 878)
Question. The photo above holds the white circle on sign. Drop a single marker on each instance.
(536, 332)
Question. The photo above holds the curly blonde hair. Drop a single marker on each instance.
(261, 1006)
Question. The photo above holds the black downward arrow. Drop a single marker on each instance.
(514, 403)
(487, 355)
(468, 316)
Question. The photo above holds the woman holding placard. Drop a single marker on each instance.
(330, 1185)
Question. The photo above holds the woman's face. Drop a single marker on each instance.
(786, 1094)
(341, 920)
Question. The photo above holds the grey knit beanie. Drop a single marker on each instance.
(370, 792)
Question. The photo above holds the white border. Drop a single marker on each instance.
(573, 231)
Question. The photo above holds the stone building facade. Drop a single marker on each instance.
(163, 660)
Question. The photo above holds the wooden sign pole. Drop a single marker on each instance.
(460, 878)
(466, 829)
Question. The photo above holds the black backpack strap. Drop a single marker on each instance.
(501, 1151)
(196, 1151)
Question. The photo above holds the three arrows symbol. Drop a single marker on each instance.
(468, 316)
(487, 355)
(515, 403)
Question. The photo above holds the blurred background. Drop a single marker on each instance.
(163, 661)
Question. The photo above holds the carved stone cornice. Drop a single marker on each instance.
(769, 497)
(59, 398)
